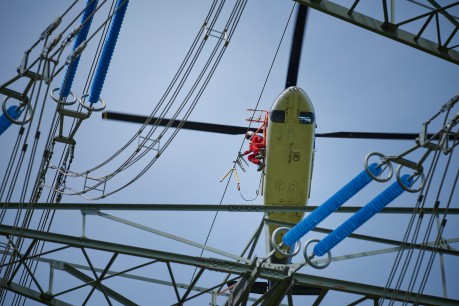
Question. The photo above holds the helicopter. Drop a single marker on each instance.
(305, 202)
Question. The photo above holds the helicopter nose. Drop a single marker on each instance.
(292, 102)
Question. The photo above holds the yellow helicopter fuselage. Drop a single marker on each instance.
(289, 154)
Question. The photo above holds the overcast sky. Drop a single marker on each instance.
(357, 81)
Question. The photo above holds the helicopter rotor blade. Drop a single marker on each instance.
(239, 130)
(297, 43)
(370, 135)
(188, 125)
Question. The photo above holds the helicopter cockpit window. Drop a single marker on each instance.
(277, 116)
(306, 117)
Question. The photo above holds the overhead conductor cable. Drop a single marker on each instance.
(329, 206)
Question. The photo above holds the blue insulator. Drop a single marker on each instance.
(14, 112)
(329, 206)
(360, 217)
(107, 52)
(86, 18)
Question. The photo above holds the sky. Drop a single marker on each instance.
(356, 80)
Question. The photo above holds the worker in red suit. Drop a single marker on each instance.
(256, 143)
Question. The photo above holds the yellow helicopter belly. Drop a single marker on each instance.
(289, 154)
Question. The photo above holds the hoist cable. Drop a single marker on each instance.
(264, 85)
(242, 144)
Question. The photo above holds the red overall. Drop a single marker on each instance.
(254, 148)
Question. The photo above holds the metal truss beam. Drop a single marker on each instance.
(427, 247)
(33, 295)
(240, 293)
(320, 297)
(104, 289)
(268, 271)
(212, 207)
(388, 29)
(173, 237)
(63, 266)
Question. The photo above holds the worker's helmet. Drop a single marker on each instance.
(248, 135)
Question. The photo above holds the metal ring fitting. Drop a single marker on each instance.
(414, 178)
(90, 106)
(64, 101)
(278, 247)
(309, 258)
(27, 118)
(381, 164)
